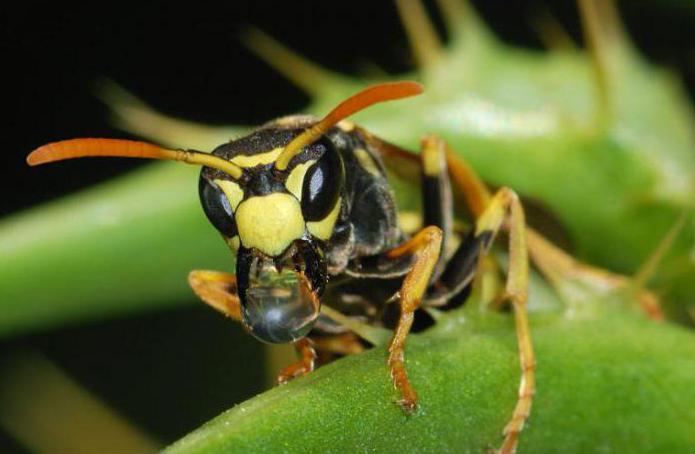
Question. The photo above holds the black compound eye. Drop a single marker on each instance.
(322, 183)
(217, 207)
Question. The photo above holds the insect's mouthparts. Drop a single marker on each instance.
(279, 305)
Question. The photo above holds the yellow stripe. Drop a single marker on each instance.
(431, 160)
(295, 181)
(323, 229)
(233, 192)
(257, 159)
(366, 161)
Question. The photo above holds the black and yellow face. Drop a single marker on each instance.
(277, 222)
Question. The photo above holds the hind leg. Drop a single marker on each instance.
(492, 213)
(505, 206)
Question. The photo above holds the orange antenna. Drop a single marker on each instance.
(79, 148)
(360, 101)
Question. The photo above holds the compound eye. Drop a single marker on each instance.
(322, 183)
(217, 207)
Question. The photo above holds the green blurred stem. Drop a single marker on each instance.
(121, 247)
(47, 412)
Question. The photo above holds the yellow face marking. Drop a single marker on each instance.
(233, 192)
(323, 229)
(233, 242)
(295, 180)
(366, 161)
(257, 159)
(270, 223)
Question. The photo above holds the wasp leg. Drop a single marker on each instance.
(461, 268)
(505, 206)
(339, 344)
(319, 350)
(491, 212)
(425, 246)
(554, 263)
(330, 347)
(559, 267)
(436, 195)
(454, 274)
(307, 361)
(218, 290)
(475, 192)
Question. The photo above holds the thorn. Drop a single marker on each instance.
(649, 267)
(597, 38)
(551, 32)
(134, 116)
(47, 410)
(613, 26)
(454, 13)
(463, 22)
(370, 70)
(305, 74)
(422, 36)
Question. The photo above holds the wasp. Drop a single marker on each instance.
(306, 206)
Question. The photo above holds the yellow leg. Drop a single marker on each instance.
(425, 247)
(339, 344)
(491, 212)
(559, 268)
(505, 205)
(554, 263)
(218, 290)
(306, 363)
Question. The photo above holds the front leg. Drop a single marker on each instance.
(219, 290)
(425, 246)
(305, 364)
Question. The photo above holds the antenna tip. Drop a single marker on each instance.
(39, 156)
(409, 88)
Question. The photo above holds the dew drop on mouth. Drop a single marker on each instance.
(279, 306)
